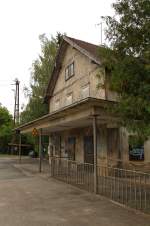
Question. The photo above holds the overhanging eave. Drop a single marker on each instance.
(68, 116)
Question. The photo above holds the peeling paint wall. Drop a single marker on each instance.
(88, 74)
(102, 145)
(78, 134)
(79, 147)
(104, 156)
(85, 74)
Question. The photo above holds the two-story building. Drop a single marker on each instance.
(79, 124)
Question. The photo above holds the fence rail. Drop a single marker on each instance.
(73, 173)
(127, 187)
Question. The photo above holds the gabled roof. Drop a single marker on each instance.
(88, 49)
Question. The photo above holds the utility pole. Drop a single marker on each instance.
(16, 106)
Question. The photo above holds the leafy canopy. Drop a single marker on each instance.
(40, 73)
(6, 125)
(127, 61)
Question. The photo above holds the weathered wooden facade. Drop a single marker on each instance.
(79, 125)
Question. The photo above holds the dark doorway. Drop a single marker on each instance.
(88, 149)
(71, 148)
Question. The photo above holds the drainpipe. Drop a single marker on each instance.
(95, 152)
(40, 150)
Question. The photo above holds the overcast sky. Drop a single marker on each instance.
(21, 23)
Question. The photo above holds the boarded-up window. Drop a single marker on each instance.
(69, 99)
(85, 91)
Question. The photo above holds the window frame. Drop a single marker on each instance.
(69, 71)
(69, 95)
(83, 91)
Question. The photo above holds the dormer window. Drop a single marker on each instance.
(69, 72)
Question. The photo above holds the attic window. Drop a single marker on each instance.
(69, 99)
(69, 72)
(85, 91)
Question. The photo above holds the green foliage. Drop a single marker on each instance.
(40, 73)
(128, 60)
(6, 125)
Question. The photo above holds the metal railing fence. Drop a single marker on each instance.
(128, 187)
(71, 172)
(131, 188)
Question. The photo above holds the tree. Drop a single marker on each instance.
(6, 125)
(127, 62)
(40, 73)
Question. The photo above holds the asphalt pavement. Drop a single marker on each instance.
(28, 199)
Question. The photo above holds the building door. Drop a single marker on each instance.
(71, 148)
(88, 149)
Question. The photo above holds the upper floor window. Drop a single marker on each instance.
(69, 72)
(69, 99)
(85, 91)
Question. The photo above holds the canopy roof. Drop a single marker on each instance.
(78, 114)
